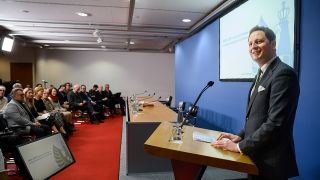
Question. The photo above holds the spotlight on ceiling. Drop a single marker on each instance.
(96, 33)
(82, 14)
(99, 40)
(186, 20)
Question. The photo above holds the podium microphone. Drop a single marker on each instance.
(194, 109)
(148, 97)
(142, 92)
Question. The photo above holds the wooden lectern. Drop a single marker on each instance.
(190, 158)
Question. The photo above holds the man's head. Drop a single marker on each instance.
(17, 94)
(262, 44)
(100, 88)
(95, 87)
(16, 85)
(76, 88)
(107, 87)
(2, 91)
(67, 85)
(83, 88)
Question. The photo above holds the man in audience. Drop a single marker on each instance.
(3, 99)
(63, 99)
(15, 85)
(115, 98)
(93, 106)
(18, 114)
(77, 103)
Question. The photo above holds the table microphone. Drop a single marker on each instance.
(194, 109)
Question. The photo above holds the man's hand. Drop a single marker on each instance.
(37, 124)
(227, 141)
(225, 144)
(232, 137)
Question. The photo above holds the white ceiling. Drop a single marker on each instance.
(153, 25)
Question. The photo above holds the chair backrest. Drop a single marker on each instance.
(3, 124)
(182, 105)
(169, 100)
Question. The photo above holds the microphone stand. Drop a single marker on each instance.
(194, 108)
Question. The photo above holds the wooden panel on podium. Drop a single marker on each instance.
(139, 127)
(195, 152)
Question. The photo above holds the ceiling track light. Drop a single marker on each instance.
(99, 40)
(96, 33)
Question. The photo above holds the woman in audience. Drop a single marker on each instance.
(28, 98)
(56, 107)
(56, 117)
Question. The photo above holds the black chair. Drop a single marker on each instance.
(9, 139)
(181, 105)
(167, 102)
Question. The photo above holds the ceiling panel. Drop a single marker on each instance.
(161, 18)
(196, 6)
(63, 13)
(153, 25)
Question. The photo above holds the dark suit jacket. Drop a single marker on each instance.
(74, 99)
(267, 136)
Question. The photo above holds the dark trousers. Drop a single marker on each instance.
(41, 131)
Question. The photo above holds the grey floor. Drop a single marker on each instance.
(210, 173)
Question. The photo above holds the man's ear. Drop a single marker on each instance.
(274, 44)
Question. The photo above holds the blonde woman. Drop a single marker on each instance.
(40, 107)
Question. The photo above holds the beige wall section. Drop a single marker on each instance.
(19, 53)
(128, 72)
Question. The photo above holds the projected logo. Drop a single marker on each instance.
(62, 156)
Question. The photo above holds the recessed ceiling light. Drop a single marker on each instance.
(46, 45)
(131, 42)
(82, 14)
(186, 20)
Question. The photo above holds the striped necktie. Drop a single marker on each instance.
(256, 81)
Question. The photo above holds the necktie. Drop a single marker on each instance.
(256, 81)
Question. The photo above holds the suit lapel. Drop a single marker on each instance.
(265, 77)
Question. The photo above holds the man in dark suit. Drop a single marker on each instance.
(267, 137)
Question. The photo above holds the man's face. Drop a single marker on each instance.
(107, 86)
(83, 89)
(260, 48)
(68, 86)
(19, 96)
(2, 92)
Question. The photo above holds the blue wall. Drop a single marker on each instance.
(222, 107)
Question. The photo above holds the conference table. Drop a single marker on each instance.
(190, 158)
(138, 128)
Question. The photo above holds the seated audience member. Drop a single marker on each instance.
(15, 85)
(77, 103)
(102, 99)
(17, 113)
(93, 91)
(55, 117)
(90, 103)
(66, 116)
(114, 99)
(52, 96)
(3, 99)
(67, 86)
(63, 99)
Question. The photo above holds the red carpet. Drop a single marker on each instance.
(96, 149)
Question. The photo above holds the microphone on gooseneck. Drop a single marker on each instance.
(154, 100)
(148, 97)
(141, 93)
(194, 109)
